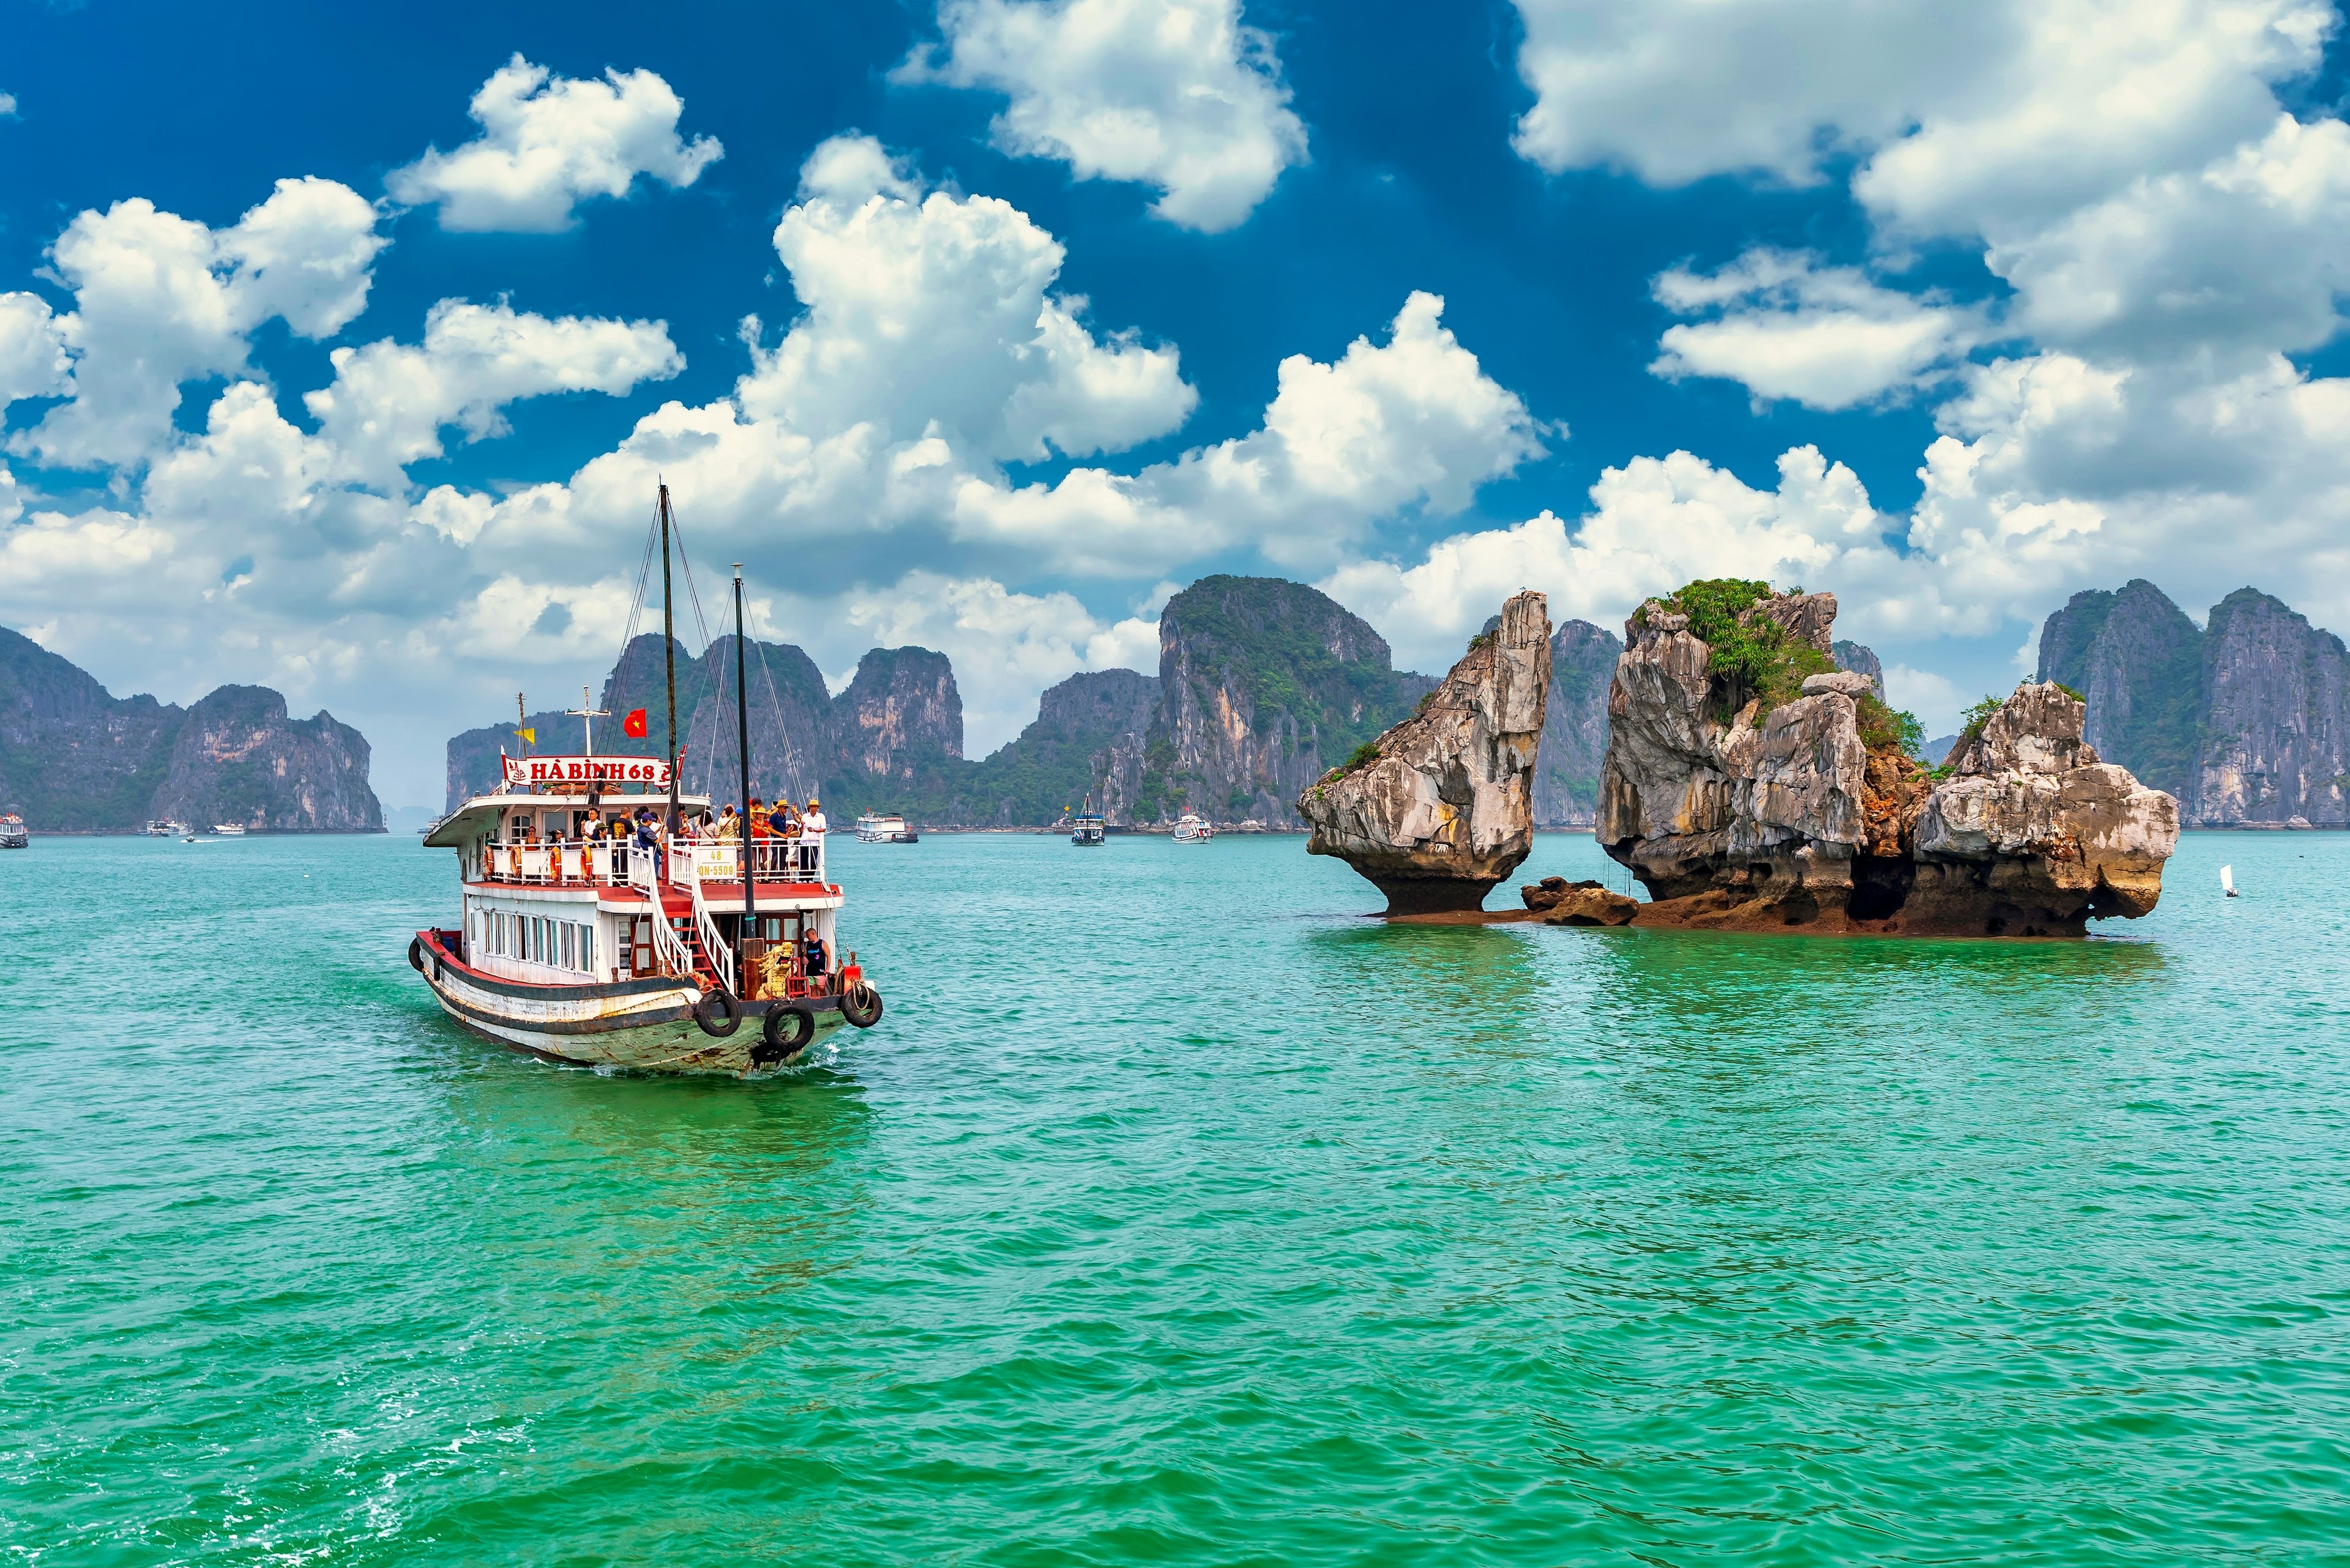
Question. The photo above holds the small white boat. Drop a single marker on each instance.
(228, 830)
(14, 833)
(2227, 880)
(875, 829)
(1089, 828)
(1192, 828)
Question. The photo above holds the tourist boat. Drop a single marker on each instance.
(1089, 828)
(164, 827)
(674, 958)
(228, 830)
(875, 829)
(1192, 828)
(14, 833)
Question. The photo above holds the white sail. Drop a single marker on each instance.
(2228, 879)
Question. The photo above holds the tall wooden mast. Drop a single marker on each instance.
(742, 844)
(669, 659)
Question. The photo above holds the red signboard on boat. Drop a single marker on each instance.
(600, 772)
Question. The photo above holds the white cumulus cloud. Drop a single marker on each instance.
(550, 143)
(160, 299)
(1175, 94)
(389, 401)
(1786, 326)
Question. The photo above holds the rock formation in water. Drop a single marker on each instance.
(1441, 807)
(74, 758)
(2247, 720)
(1560, 902)
(1742, 803)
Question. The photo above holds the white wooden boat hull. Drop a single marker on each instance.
(638, 1025)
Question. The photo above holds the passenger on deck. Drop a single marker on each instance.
(812, 836)
(814, 959)
(730, 827)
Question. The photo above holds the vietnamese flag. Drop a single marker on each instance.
(633, 726)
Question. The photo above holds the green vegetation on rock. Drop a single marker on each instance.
(1753, 656)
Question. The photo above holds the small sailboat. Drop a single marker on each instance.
(2227, 880)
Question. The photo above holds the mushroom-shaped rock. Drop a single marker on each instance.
(1441, 808)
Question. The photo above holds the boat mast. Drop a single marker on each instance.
(742, 844)
(669, 658)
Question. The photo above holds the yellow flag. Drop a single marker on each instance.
(531, 735)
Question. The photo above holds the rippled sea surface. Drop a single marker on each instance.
(1177, 1213)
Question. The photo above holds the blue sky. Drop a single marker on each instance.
(1952, 313)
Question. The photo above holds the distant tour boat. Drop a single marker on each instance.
(14, 833)
(1192, 828)
(1089, 828)
(164, 827)
(875, 829)
(577, 946)
(228, 830)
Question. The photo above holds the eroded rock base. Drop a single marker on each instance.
(1433, 894)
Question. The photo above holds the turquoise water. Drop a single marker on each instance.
(1177, 1214)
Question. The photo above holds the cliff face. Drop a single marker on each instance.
(2276, 718)
(2247, 720)
(902, 711)
(1263, 684)
(1575, 725)
(74, 758)
(1745, 802)
(239, 759)
(1444, 808)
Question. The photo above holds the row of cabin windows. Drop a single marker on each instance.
(535, 939)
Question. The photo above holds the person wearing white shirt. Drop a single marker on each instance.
(812, 833)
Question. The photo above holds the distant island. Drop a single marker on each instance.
(75, 759)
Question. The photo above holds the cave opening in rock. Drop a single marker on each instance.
(1880, 886)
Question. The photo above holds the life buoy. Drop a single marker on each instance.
(718, 1013)
(787, 1031)
(416, 954)
(861, 1005)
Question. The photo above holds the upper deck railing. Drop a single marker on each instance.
(574, 863)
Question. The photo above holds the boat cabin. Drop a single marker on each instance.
(558, 891)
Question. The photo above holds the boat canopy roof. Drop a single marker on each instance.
(485, 813)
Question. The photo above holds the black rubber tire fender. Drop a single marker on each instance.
(787, 1031)
(416, 954)
(861, 1005)
(718, 1013)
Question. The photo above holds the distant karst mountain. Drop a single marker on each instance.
(74, 758)
(2246, 718)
